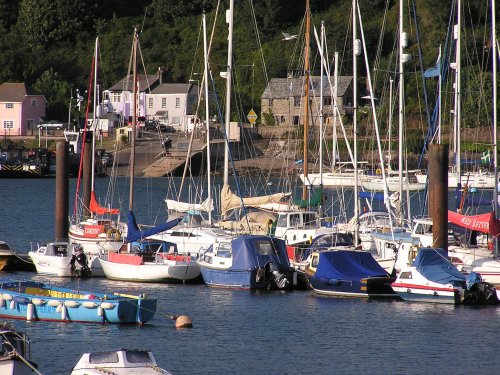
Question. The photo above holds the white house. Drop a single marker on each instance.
(173, 104)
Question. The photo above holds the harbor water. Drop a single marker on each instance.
(241, 332)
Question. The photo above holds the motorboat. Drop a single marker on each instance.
(348, 273)
(433, 278)
(65, 259)
(151, 261)
(15, 354)
(32, 300)
(119, 362)
(248, 262)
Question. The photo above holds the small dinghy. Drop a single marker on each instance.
(120, 362)
(433, 278)
(32, 300)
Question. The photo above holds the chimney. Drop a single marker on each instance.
(160, 74)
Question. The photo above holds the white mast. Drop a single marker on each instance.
(207, 117)
(334, 102)
(458, 93)
(402, 44)
(356, 51)
(229, 21)
(495, 131)
(440, 78)
(321, 105)
(134, 122)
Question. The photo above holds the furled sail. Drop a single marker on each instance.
(230, 201)
(135, 234)
(96, 208)
(206, 206)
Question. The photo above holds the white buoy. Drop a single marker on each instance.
(30, 312)
(99, 311)
(12, 304)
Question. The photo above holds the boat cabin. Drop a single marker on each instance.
(297, 226)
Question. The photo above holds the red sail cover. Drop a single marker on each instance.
(485, 223)
(97, 209)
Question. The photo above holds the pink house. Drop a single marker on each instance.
(21, 108)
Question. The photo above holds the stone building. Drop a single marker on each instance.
(282, 100)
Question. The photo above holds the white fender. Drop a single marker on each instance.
(107, 305)
(12, 305)
(1, 302)
(54, 303)
(71, 303)
(30, 312)
(89, 304)
(63, 312)
(59, 307)
(7, 297)
(100, 311)
(37, 301)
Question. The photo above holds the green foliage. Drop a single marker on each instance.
(268, 118)
(56, 92)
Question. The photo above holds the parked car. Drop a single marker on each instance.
(51, 125)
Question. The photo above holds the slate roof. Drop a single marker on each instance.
(16, 92)
(282, 88)
(175, 88)
(145, 81)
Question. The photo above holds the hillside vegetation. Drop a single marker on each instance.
(49, 45)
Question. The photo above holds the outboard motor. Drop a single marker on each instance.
(79, 257)
(479, 292)
(278, 277)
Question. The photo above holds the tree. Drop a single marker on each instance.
(57, 93)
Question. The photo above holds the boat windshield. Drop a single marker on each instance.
(103, 357)
(138, 356)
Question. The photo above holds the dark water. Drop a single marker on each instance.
(237, 332)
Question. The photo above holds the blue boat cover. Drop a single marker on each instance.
(435, 266)
(135, 234)
(251, 252)
(348, 265)
(371, 195)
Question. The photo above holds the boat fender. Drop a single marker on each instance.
(12, 304)
(114, 234)
(63, 311)
(54, 303)
(7, 297)
(107, 305)
(71, 303)
(100, 311)
(37, 301)
(1, 302)
(30, 313)
(90, 304)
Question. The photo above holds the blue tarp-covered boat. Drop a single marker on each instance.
(32, 300)
(247, 262)
(348, 273)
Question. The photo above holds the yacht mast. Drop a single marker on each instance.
(94, 117)
(207, 117)
(494, 53)
(321, 104)
(356, 51)
(229, 72)
(134, 121)
(402, 44)
(306, 99)
(457, 35)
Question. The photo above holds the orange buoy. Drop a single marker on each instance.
(183, 321)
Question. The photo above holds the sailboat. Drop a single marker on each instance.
(139, 259)
(97, 231)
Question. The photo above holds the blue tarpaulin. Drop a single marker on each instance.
(251, 252)
(434, 265)
(348, 265)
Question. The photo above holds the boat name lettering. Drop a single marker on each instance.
(93, 230)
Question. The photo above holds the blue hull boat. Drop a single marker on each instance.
(247, 262)
(348, 273)
(31, 300)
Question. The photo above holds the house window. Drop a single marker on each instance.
(8, 124)
(115, 97)
(31, 124)
(151, 102)
(177, 102)
(9, 105)
(296, 120)
(296, 101)
(164, 102)
(176, 120)
(327, 101)
(34, 102)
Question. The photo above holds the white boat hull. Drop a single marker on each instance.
(51, 265)
(151, 272)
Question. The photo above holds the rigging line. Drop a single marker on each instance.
(378, 54)
(196, 49)
(261, 53)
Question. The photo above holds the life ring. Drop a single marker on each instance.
(114, 234)
(378, 171)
